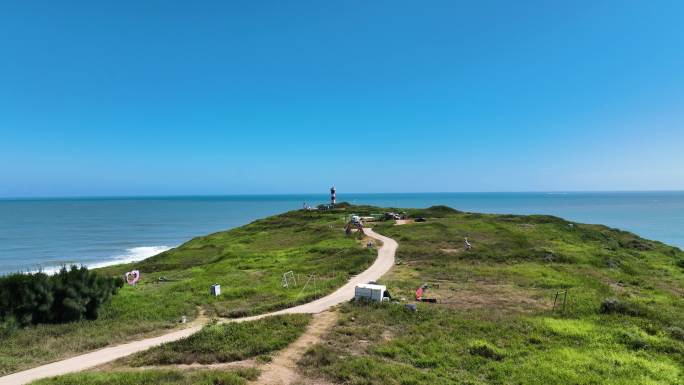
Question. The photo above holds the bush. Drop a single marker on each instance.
(616, 306)
(485, 350)
(70, 295)
(676, 332)
(636, 244)
(612, 305)
(632, 340)
(8, 327)
(27, 298)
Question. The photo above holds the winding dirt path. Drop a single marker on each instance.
(283, 369)
(382, 264)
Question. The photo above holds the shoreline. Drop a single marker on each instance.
(44, 234)
(134, 254)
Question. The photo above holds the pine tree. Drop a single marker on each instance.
(70, 295)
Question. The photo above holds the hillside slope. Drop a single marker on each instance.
(248, 262)
(495, 323)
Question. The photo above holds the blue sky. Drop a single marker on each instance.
(165, 97)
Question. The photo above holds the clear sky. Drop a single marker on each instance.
(230, 97)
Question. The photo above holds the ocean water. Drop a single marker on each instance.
(47, 233)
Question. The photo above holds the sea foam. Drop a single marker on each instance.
(134, 254)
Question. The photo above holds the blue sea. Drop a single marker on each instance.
(47, 233)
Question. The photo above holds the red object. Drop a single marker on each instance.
(419, 294)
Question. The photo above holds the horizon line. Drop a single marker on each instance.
(148, 196)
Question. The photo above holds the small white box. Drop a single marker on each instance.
(370, 292)
(215, 290)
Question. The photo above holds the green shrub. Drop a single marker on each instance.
(70, 295)
(676, 332)
(483, 349)
(8, 326)
(612, 305)
(632, 340)
(616, 306)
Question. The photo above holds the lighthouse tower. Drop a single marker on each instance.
(333, 195)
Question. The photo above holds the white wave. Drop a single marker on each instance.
(133, 254)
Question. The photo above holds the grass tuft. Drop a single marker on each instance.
(156, 377)
(484, 349)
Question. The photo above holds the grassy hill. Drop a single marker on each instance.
(494, 323)
(248, 262)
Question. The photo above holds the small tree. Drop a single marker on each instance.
(26, 297)
(70, 295)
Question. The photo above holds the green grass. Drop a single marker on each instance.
(623, 322)
(156, 377)
(494, 322)
(226, 342)
(441, 346)
(247, 261)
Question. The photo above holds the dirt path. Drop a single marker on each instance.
(382, 264)
(282, 370)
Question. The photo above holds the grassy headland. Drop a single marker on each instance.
(247, 261)
(494, 322)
